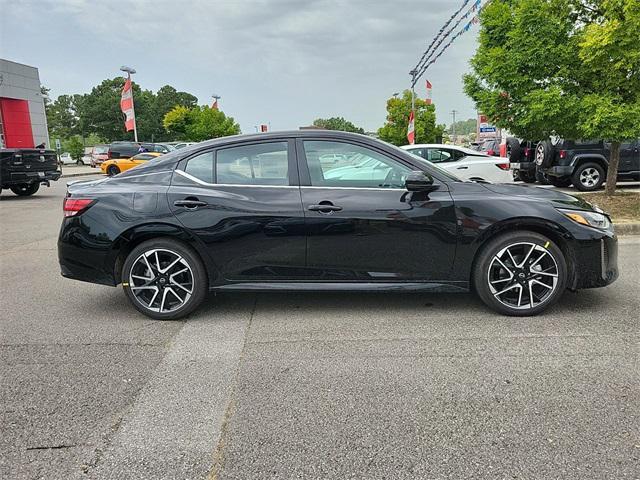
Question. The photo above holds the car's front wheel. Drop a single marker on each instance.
(112, 170)
(164, 279)
(520, 273)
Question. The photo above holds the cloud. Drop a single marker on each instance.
(284, 61)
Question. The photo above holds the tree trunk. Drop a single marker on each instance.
(612, 171)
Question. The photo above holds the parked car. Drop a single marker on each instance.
(257, 212)
(129, 149)
(464, 162)
(584, 163)
(178, 145)
(23, 170)
(66, 159)
(116, 166)
(98, 154)
(490, 146)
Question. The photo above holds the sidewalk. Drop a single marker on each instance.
(77, 171)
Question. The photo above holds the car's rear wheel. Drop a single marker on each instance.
(541, 178)
(164, 279)
(79, 163)
(112, 170)
(25, 189)
(520, 273)
(588, 177)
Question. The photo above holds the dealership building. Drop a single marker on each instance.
(23, 123)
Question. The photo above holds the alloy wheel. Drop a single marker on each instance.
(589, 177)
(161, 280)
(523, 275)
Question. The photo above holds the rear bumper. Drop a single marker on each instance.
(17, 178)
(523, 166)
(559, 171)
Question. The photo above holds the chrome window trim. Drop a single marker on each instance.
(316, 187)
(207, 184)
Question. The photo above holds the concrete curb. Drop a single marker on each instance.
(82, 174)
(627, 228)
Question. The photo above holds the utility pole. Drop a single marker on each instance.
(413, 74)
(453, 126)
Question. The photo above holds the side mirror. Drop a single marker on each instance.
(419, 181)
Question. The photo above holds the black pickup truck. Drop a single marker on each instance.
(23, 170)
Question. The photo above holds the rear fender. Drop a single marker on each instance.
(133, 237)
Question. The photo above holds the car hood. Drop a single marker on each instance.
(560, 199)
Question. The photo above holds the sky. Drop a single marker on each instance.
(278, 62)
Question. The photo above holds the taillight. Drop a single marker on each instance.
(563, 154)
(527, 151)
(73, 206)
(502, 166)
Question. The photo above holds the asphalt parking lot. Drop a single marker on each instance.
(307, 385)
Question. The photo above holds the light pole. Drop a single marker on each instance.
(130, 71)
(453, 126)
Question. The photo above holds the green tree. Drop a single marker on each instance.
(395, 129)
(75, 147)
(199, 123)
(610, 51)
(176, 120)
(337, 123)
(464, 127)
(564, 67)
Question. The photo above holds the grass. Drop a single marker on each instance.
(624, 207)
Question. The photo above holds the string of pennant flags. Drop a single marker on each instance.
(435, 39)
(430, 56)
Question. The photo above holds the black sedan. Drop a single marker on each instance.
(322, 210)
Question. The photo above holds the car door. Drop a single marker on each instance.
(629, 157)
(243, 203)
(368, 226)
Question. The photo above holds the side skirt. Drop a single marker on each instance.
(458, 287)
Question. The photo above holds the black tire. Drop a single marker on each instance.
(544, 154)
(168, 250)
(25, 189)
(486, 267)
(112, 170)
(514, 150)
(541, 178)
(527, 177)
(79, 163)
(560, 182)
(588, 177)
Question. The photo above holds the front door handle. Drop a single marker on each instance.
(324, 208)
(190, 203)
(462, 168)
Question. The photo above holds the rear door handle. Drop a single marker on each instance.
(324, 208)
(462, 168)
(190, 203)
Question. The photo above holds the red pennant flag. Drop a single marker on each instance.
(429, 92)
(126, 105)
(215, 104)
(411, 133)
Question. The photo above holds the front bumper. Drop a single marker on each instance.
(17, 178)
(596, 262)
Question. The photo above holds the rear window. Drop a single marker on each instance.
(101, 149)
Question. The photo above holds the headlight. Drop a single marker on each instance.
(590, 219)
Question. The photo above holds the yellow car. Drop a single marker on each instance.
(117, 165)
